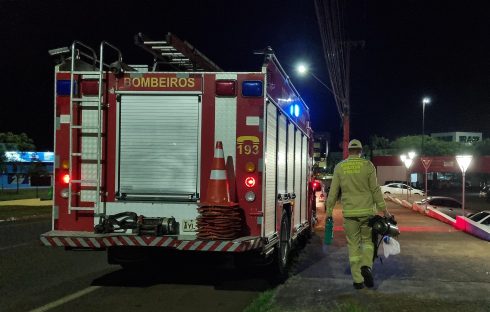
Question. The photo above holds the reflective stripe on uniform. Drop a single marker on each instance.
(362, 212)
(354, 258)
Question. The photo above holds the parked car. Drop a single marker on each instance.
(482, 217)
(399, 188)
(484, 191)
(393, 181)
(447, 205)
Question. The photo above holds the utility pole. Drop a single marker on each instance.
(346, 102)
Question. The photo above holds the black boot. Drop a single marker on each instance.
(358, 285)
(368, 276)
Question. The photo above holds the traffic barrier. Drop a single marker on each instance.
(472, 227)
(418, 208)
(406, 204)
(440, 216)
(460, 223)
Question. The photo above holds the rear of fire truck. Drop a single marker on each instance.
(188, 159)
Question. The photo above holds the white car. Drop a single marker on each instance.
(400, 188)
(482, 217)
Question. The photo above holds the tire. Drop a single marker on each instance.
(129, 258)
(281, 257)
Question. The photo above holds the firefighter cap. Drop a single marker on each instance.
(355, 144)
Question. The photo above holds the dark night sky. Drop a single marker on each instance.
(413, 48)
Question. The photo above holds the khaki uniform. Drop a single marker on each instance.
(355, 178)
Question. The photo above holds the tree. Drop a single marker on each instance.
(377, 143)
(432, 146)
(19, 142)
(483, 147)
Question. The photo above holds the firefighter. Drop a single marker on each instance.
(361, 198)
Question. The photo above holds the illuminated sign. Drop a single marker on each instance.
(15, 156)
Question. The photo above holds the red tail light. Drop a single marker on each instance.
(66, 178)
(226, 87)
(250, 182)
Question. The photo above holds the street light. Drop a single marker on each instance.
(464, 162)
(407, 161)
(425, 100)
(302, 69)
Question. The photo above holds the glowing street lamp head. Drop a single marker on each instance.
(464, 161)
(302, 69)
(408, 162)
(411, 155)
(403, 157)
(426, 100)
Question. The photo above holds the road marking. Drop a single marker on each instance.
(66, 299)
(15, 246)
(21, 222)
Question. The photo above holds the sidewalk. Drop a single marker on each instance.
(26, 202)
(439, 269)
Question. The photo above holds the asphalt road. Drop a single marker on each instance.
(52, 279)
(438, 266)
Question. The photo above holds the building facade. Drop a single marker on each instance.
(26, 170)
(458, 136)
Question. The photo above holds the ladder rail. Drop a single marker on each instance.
(99, 120)
(75, 52)
(72, 93)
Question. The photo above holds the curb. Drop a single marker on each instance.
(461, 223)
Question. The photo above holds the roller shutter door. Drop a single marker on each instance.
(304, 168)
(158, 144)
(281, 155)
(270, 170)
(298, 177)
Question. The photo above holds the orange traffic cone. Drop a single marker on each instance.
(218, 193)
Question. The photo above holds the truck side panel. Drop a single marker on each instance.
(249, 149)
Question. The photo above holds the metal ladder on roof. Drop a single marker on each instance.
(89, 129)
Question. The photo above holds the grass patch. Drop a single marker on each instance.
(9, 212)
(24, 194)
(349, 307)
(263, 303)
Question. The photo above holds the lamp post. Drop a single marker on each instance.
(463, 162)
(302, 69)
(407, 161)
(425, 100)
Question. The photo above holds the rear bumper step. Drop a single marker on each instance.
(75, 239)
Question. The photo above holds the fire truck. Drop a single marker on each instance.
(136, 146)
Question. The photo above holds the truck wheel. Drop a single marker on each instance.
(283, 249)
(129, 258)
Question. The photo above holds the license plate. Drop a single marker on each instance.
(189, 225)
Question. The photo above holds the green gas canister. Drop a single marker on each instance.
(328, 231)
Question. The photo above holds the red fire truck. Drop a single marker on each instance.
(134, 147)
